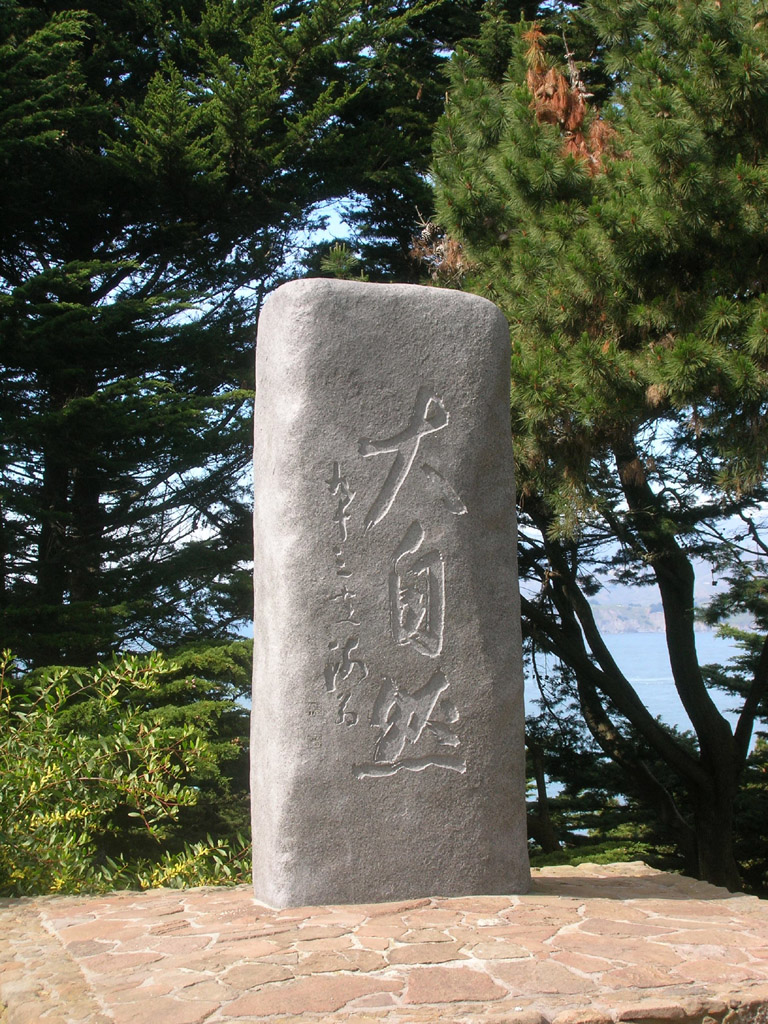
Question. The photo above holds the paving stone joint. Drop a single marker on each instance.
(597, 944)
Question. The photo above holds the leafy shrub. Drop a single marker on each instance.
(94, 783)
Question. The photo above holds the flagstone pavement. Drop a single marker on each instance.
(597, 944)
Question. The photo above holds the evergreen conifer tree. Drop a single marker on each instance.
(608, 185)
(159, 158)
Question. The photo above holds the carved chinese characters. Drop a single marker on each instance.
(344, 664)
(416, 589)
(402, 718)
(428, 416)
(387, 757)
(417, 594)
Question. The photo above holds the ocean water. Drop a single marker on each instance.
(643, 659)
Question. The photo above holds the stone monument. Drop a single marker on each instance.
(387, 735)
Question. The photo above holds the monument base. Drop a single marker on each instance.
(598, 944)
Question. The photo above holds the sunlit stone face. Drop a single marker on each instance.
(387, 746)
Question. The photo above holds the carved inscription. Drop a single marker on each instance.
(417, 594)
(339, 487)
(345, 597)
(449, 497)
(340, 667)
(416, 612)
(429, 415)
(416, 728)
(344, 664)
(402, 718)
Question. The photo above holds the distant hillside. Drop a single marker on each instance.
(642, 618)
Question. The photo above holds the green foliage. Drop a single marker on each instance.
(594, 810)
(341, 262)
(206, 862)
(205, 692)
(634, 294)
(161, 161)
(392, 116)
(613, 201)
(98, 774)
(612, 851)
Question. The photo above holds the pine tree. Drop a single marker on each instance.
(159, 159)
(144, 147)
(403, 79)
(610, 192)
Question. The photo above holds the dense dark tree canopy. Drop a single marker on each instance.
(159, 158)
(610, 192)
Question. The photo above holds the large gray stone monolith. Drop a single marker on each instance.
(387, 739)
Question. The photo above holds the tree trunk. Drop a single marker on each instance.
(713, 820)
(45, 647)
(713, 794)
(84, 558)
(3, 562)
(540, 825)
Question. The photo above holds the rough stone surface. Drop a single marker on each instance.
(498, 976)
(388, 697)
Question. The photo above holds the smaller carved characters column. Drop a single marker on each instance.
(344, 665)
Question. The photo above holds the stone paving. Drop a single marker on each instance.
(591, 945)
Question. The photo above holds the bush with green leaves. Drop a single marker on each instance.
(97, 778)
